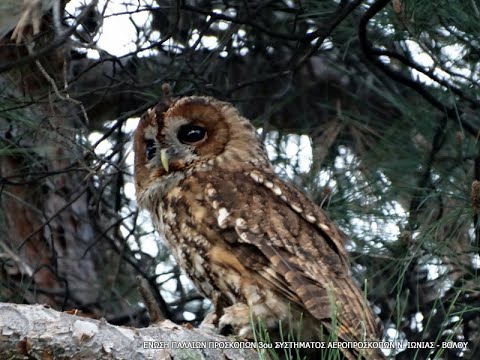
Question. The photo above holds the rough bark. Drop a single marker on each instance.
(50, 216)
(40, 332)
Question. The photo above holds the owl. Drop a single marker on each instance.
(253, 244)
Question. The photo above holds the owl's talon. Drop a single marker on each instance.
(236, 320)
(209, 322)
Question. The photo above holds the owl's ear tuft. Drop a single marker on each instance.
(168, 99)
(167, 90)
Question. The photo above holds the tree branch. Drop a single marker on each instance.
(40, 332)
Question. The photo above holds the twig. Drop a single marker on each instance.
(49, 220)
(156, 314)
(371, 54)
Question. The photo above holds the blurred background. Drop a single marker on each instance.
(370, 107)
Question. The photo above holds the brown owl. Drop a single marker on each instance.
(252, 243)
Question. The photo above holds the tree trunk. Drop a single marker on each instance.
(51, 225)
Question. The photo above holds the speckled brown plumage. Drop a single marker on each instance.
(250, 242)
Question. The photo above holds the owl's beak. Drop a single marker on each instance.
(164, 159)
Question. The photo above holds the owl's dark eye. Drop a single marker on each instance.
(150, 149)
(191, 134)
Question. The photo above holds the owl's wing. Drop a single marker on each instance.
(278, 233)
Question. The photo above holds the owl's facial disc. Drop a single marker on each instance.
(174, 137)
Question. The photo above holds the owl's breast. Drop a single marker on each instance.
(181, 219)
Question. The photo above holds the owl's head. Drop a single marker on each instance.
(192, 133)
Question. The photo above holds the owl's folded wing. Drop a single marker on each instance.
(290, 242)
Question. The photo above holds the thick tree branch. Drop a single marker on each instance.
(40, 332)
